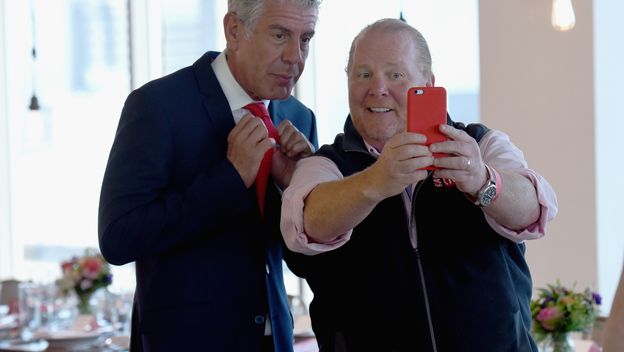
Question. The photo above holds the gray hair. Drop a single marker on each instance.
(249, 11)
(391, 25)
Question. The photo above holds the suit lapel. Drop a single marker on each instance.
(215, 103)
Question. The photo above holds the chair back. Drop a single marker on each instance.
(9, 294)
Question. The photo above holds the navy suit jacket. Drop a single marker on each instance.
(208, 267)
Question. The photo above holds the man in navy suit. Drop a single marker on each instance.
(178, 195)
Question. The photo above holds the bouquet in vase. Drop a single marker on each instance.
(557, 311)
(84, 275)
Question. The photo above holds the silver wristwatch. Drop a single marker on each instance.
(488, 192)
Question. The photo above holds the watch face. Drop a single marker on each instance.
(488, 195)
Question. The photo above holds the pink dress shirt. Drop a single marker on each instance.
(496, 150)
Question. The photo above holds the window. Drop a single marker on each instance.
(189, 29)
(83, 71)
(57, 154)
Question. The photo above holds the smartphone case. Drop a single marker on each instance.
(426, 109)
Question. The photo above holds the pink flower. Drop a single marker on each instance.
(92, 264)
(548, 317)
(85, 274)
(91, 268)
(66, 266)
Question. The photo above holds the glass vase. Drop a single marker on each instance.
(558, 342)
(84, 304)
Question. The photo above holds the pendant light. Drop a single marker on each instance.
(34, 101)
(33, 125)
(563, 18)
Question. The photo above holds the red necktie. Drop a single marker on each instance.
(259, 110)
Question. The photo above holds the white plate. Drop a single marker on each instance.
(118, 343)
(22, 346)
(8, 322)
(69, 340)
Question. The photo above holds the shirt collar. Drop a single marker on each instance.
(234, 93)
(371, 150)
(354, 142)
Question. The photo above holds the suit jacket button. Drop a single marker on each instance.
(259, 319)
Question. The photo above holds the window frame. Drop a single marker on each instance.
(7, 250)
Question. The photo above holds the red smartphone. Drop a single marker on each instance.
(426, 110)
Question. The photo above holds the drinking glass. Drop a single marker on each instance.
(30, 304)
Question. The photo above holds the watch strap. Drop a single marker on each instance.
(493, 177)
(498, 181)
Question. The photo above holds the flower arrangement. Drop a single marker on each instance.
(85, 275)
(557, 311)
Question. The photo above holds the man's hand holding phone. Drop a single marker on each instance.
(456, 155)
(426, 111)
(463, 163)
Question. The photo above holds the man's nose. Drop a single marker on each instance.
(378, 86)
(292, 53)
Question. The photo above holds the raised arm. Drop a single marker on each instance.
(336, 207)
(525, 201)
(148, 202)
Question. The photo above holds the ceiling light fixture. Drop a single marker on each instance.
(563, 18)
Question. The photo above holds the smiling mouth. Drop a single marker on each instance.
(379, 110)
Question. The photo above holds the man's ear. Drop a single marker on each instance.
(232, 27)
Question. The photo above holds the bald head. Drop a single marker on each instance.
(390, 26)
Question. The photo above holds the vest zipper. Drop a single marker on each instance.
(427, 308)
(423, 285)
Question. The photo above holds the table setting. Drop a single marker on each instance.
(76, 312)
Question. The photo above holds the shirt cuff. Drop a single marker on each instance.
(292, 227)
(548, 209)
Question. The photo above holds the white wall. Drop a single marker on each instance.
(538, 85)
